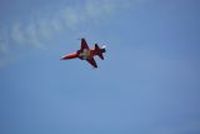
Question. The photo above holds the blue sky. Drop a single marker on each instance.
(148, 84)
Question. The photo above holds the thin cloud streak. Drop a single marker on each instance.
(65, 19)
(43, 27)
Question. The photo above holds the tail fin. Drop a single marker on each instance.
(100, 51)
(96, 47)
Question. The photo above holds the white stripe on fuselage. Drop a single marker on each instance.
(85, 54)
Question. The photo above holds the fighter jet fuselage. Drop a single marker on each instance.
(85, 53)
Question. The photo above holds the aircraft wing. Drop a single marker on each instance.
(84, 44)
(92, 62)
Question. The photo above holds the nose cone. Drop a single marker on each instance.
(69, 56)
(65, 57)
(62, 58)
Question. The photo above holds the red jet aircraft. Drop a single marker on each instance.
(85, 53)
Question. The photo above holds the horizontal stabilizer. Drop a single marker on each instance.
(99, 51)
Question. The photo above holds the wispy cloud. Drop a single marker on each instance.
(42, 27)
(17, 34)
(68, 18)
